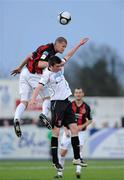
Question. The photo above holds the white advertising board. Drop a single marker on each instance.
(107, 143)
(33, 144)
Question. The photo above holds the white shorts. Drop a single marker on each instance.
(27, 83)
(66, 141)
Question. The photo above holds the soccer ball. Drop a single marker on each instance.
(64, 17)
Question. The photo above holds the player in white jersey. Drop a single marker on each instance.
(61, 109)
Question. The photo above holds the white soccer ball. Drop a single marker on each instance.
(64, 17)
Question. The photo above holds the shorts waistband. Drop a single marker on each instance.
(60, 100)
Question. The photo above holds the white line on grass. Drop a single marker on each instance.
(46, 167)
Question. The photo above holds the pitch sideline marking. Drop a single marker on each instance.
(46, 167)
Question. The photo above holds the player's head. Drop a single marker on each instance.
(55, 63)
(60, 44)
(78, 94)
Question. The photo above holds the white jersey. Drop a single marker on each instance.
(58, 86)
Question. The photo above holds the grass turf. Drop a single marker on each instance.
(43, 170)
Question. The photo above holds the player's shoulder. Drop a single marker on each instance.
(49, 46)
(86, 104)
(46, 71)
(44, 47)
(73, 102)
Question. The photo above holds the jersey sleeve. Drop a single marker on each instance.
(42, 52)
(64, 61)
(44, 78)
(88, 113)
(44, 55)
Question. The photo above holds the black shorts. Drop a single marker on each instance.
(62, 113)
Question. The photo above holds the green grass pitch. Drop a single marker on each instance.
(43, 170)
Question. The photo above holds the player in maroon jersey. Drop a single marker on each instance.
(83, 115)
(30, 76)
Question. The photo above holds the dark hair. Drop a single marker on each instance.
(79, 88)
(54, 60)
(60, 40)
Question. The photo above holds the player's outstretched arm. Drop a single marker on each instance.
(18, 69)
(75, 48)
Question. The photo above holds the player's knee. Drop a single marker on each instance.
(63, 152)
(55, 132)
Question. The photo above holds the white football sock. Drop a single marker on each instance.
(62, 160)
(81, 156)
(19, 110)
(81, 153)
(46, 107)
(78, 168)
(60, 173)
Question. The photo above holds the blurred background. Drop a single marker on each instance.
(97, 67)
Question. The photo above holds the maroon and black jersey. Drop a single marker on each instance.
(81, 112)
(43, 53)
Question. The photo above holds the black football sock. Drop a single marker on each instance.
(76, 147)
(54, 149)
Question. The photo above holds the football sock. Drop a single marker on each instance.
(60, 173)
(46, 107)
(81, 157)
(54, 149)
(81, 152)
(76, 147)
(62, 160)
(78, 168)
(19, 110)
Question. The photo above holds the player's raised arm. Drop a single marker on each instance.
(19, 68)
(75, 48)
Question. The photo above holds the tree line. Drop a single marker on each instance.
(98, 70)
